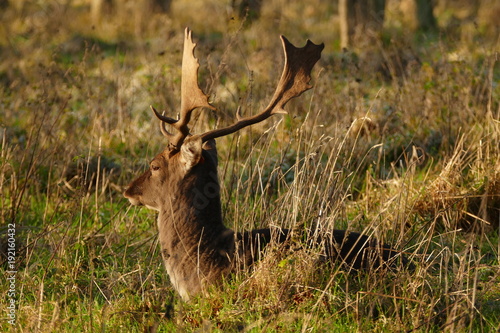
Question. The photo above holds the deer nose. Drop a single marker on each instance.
(134, 201)
(132, 195)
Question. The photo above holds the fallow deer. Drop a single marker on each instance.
(182, 185)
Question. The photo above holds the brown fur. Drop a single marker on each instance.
(198, 250)
(182, 185)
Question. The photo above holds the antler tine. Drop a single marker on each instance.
(164, 120)
(191, 95)
(294, 81)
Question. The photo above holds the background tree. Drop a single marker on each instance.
(102, 8)
(360, 19)
(425, 15)
(249, 9)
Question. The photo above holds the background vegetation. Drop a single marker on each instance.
(399, 139)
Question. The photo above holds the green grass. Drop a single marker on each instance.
(423, 173)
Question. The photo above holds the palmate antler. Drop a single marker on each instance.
(192, 96)
(294, 81)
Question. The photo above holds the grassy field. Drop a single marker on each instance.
(398, 139)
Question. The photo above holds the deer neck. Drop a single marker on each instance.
(196, 246)
(192, 213)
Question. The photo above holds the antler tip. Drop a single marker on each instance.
(188, 34)
(321, 46)
(279, 111)
(158, 115)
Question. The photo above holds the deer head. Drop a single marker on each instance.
(181, 182)
(185, 151)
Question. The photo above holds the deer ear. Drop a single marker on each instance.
(191, 151)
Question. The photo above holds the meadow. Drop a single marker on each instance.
(399, 139)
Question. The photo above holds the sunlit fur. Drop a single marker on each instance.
(196, 246)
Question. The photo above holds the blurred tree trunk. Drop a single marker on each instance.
(248, 9)
(162, 5)
(425, 15)
(100, 8)
(360, 19)
(103, 8)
